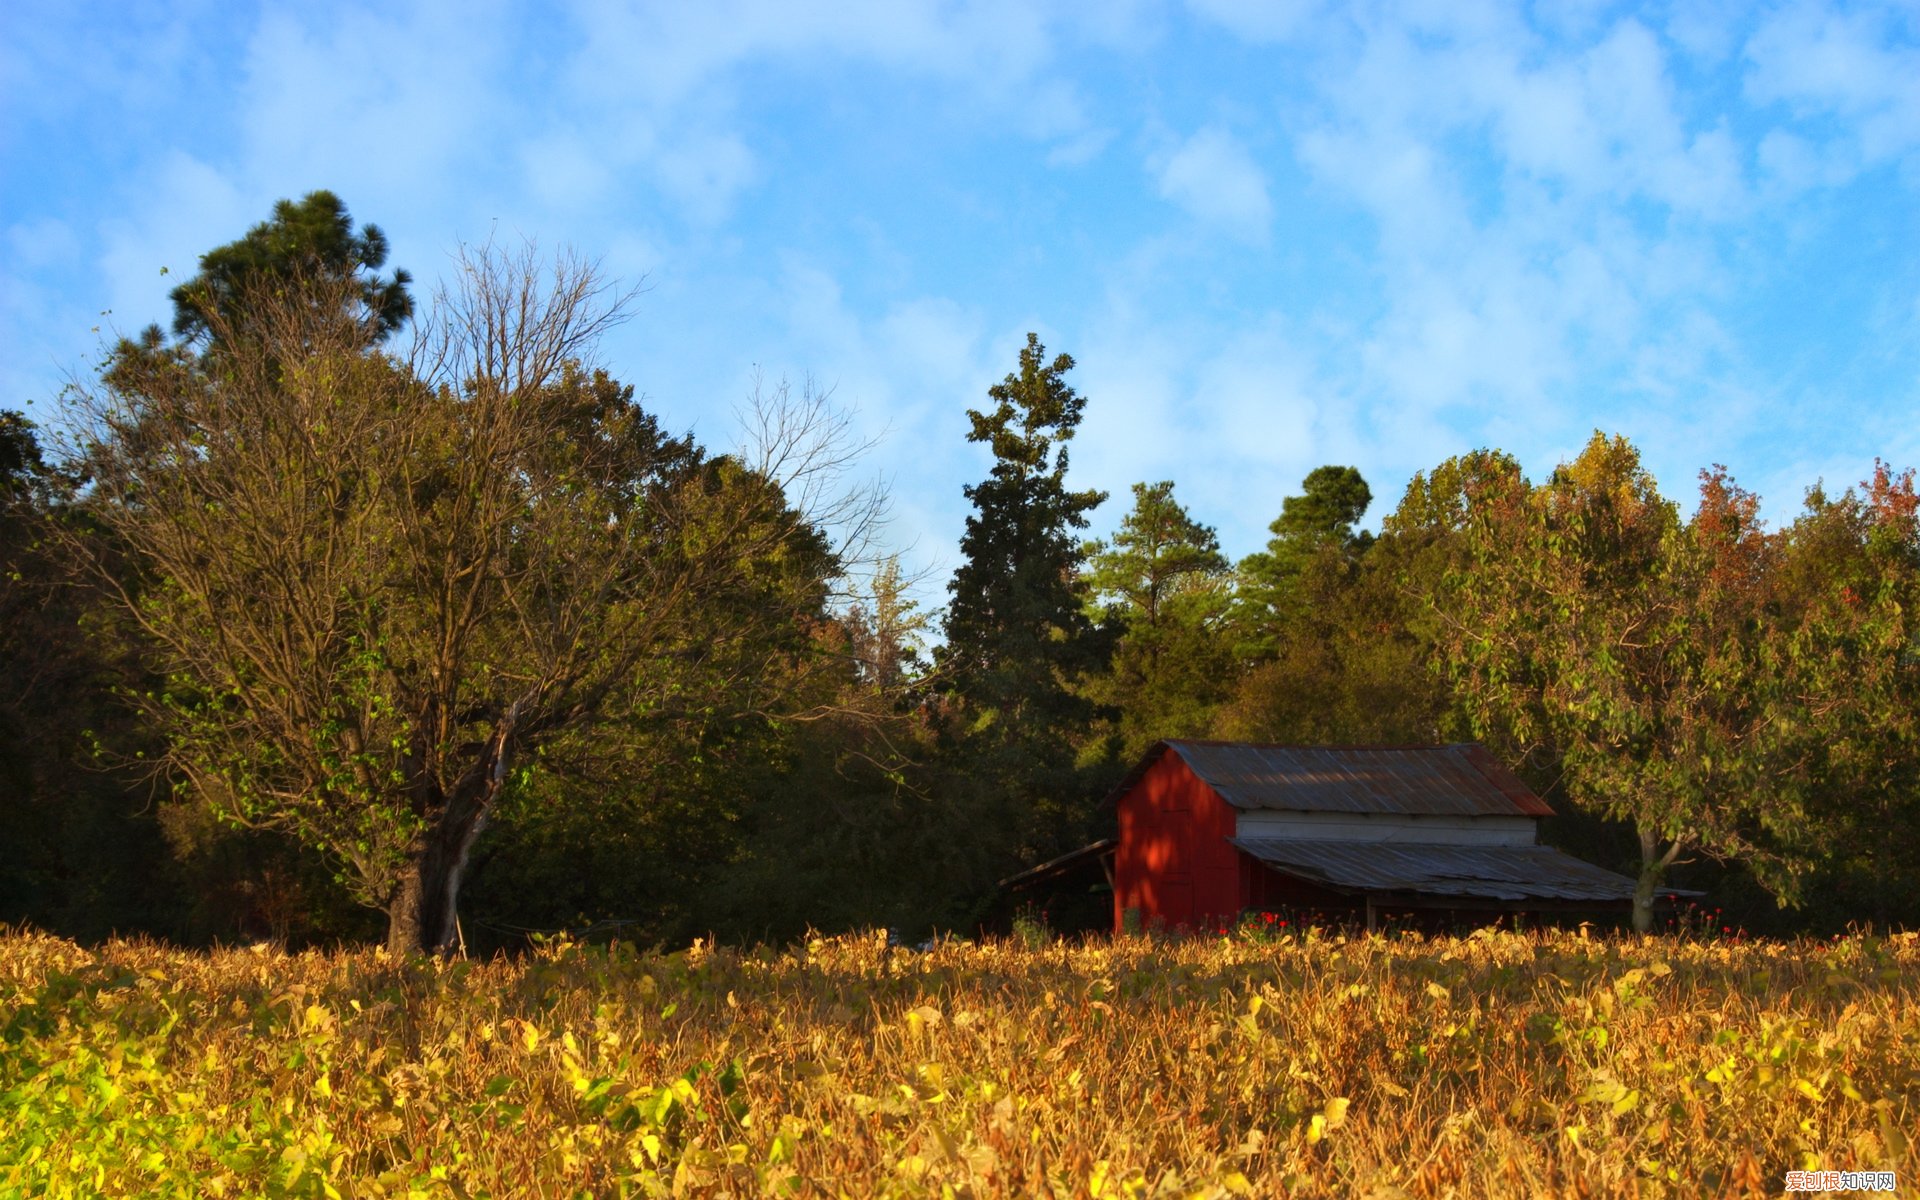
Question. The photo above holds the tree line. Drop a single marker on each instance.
(335, 614)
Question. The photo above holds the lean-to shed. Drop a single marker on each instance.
(1209, 830)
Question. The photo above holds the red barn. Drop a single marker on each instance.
(1209, 830)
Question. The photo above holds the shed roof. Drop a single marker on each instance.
(1461, 779)
(1060, 866)
(1494, 872)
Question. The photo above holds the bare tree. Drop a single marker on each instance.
(381, 585)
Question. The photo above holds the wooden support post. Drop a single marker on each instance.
(1369, 912)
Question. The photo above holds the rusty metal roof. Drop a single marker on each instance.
(1451, 780)
(1494, 872)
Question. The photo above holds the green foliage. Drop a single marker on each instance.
(1841, 652)
(1018, 600)
(1160, 559)
(1018, 638)
(1585, 624)
(1352, 664)
(375, 589)
(1302, 1065)
(82, 852)
(1319, 521)
(1162, 587)
(306, 241)
(1329, 622)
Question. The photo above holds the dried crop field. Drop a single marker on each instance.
(1498, 1064)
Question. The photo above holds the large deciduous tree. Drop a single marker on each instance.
(1847, 658)
(1587, 624)
(384, 589)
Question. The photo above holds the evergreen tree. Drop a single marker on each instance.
(1018, 636)
(302, 244)
(1317, 522)
(1163, 582)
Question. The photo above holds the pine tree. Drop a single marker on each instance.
(1018, 635)
(304, 243)
(1164, 583)
(1319, 521)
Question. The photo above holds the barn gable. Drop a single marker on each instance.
(1174, 857)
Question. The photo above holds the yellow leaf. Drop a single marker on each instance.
(1336, 1111)
(1316, 1128)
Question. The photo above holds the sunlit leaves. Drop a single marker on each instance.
(1315, 1064)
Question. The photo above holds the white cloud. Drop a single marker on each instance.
(1706, 30)
(1259, 20)
(40, 243)
(906, 373)
(1236, 416)
(666, 82)
(1789, 164)
(1851, 65)
(1215, 180)
(668, 52)
(187, 208)
(705, 173)
(1081, 149)
(564, 172)
(367, 103)
(1547, 211)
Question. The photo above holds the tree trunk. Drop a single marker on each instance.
(420, 919)
(1653, 870)
(403, 917)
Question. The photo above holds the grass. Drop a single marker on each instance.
(1311, 1064)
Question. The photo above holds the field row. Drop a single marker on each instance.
(1498, 1064)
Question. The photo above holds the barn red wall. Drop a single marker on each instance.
(1174, 863)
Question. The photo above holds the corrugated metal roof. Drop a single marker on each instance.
(1495, 872)
(1452, 780)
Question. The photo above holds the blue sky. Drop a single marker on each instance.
(1274, 235)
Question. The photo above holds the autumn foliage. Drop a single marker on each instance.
(1307, 1064)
